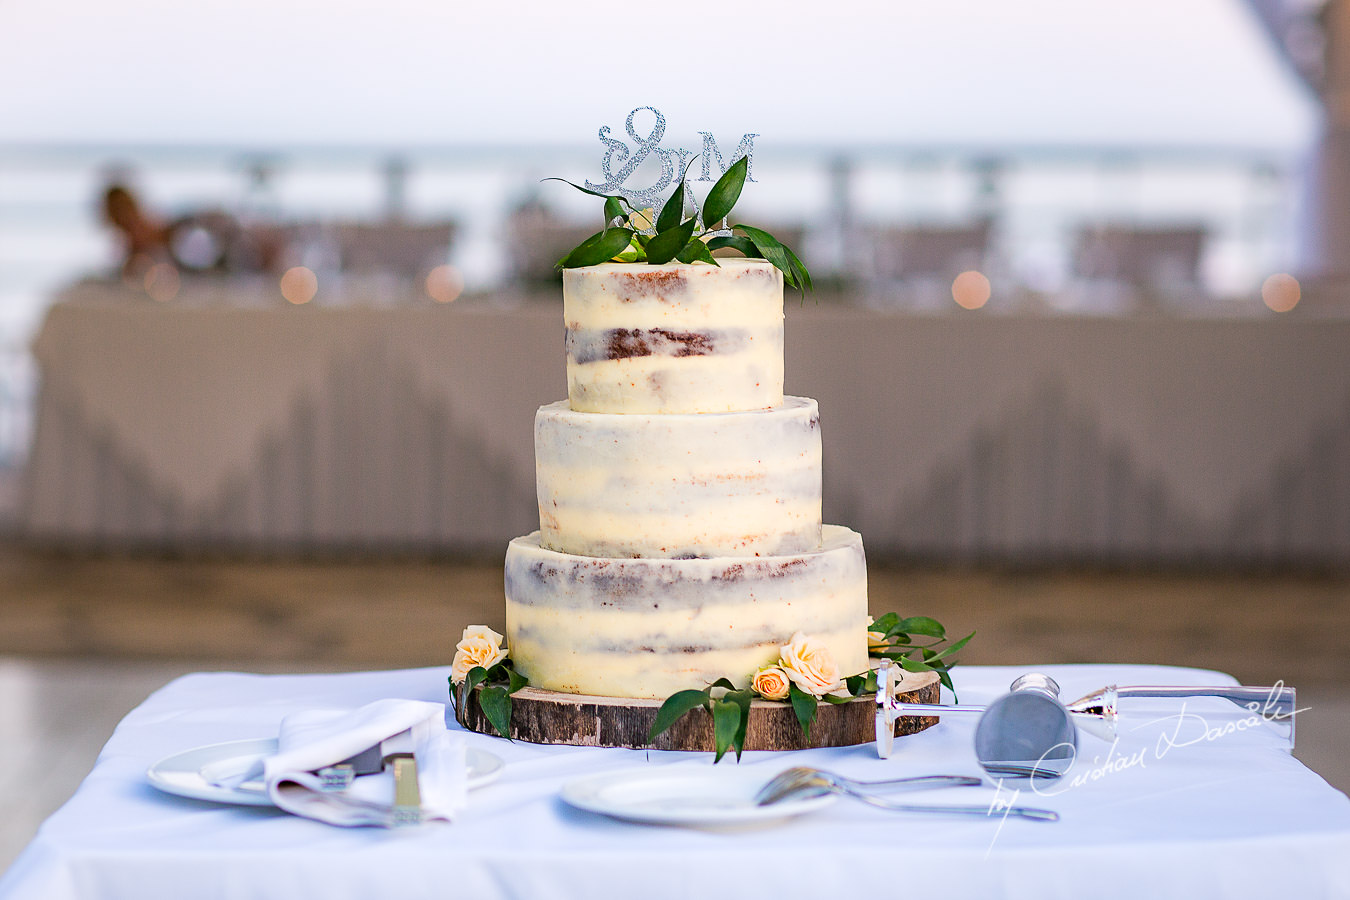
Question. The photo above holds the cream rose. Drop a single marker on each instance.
(480, 646)
(810, 666)
(771, 683)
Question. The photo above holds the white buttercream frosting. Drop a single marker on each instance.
(715, 484)
(650, 627)
(675, 338)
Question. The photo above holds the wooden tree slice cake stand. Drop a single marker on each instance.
(548, 717)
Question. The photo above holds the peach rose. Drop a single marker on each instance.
(771, 683)
(480, 646)
(810, 666)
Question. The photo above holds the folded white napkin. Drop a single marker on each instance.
(313, 739)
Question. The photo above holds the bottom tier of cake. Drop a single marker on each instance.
(650, 627)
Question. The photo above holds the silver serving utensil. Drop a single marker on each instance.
(793, 781)
(1031, 732)
(1026, 733)
(1099, 711)
(812, 783)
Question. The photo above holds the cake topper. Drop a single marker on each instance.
(634, 233)
(672, 160)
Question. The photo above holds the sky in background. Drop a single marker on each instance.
(406, 72)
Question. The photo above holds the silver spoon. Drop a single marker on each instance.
(797, 780)
(806, 782)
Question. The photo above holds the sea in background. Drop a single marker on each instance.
(51, 233)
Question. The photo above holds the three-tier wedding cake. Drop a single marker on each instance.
(680, 536)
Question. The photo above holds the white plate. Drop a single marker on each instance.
(701, 798)
(182, 773)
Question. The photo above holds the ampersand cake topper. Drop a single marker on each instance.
(621, 160)
(634, 232)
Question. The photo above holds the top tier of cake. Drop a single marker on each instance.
(674, 338)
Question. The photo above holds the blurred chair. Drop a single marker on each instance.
(397, 248)
(907, 252)
(537, 239)
(1143, 265)
(913, 266)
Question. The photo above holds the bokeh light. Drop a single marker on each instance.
(1281, 292)
(971, 290)
(444, 284)
(299, 285)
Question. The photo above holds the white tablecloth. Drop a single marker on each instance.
(1224, 818)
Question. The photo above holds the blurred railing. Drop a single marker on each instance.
(1100, 231)
(872, 216)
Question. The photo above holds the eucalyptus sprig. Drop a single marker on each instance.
(499, 683)
(674, 237)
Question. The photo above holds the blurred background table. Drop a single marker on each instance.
(409, 427)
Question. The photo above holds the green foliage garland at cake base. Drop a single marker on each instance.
(802, 676)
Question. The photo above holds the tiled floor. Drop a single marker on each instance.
(56, 715)
(84, 640)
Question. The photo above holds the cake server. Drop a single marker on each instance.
(1030, 732)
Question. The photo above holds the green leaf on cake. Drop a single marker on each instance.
(804, 707)
(495, 702)
(477, 675)
(724, 194)
(921, 625)
(726, 722)
(696, 251)
(948, 650)
(515, 680)
(663, 248)
(865, 683)
(770, 248)
(736, 242)
(584, 190)
(742, 699)
(676, 705)
(673, 212)
(802, 276)
(886, 624)
(675, 237)
(599, 247)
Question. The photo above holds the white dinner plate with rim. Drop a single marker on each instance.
(182, 773)
(696, 798)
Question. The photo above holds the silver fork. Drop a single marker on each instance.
(801, 779)
(806, 782)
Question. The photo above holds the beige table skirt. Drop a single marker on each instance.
(952, 437)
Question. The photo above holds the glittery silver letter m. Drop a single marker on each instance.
(745, 148)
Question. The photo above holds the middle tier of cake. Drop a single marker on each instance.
(651, 627)
(679, 486)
